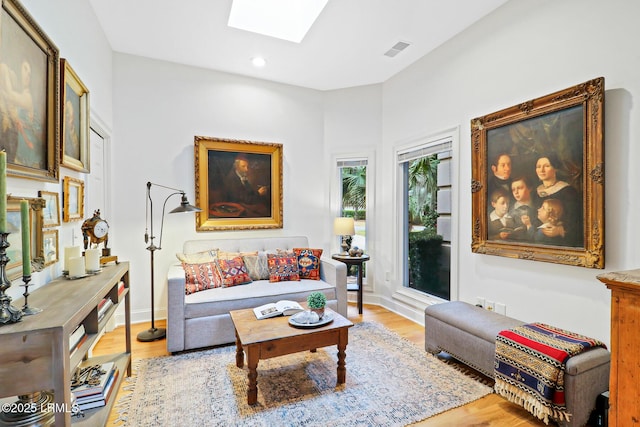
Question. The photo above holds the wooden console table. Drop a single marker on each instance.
(624, 381)
(35, 354)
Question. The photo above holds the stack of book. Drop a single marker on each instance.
(96, 394)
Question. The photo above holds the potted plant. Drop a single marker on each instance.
(316, 302)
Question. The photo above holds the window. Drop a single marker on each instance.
(352, 199)
(425, 216)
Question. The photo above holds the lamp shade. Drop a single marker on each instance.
(344, 226)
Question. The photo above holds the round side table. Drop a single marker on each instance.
(359, 262)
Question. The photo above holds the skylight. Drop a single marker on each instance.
(284, 19)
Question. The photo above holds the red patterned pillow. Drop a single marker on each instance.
(282, 267)
(199, 277)
(308, 262)
(233, 272)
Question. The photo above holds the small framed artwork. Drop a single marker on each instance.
(74, 120)
(238, 184)
(73, 199)
(538, 178)
(50, 247)
(30, 113)
(14, 226)
(51, 211)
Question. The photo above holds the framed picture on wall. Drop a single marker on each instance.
(51, 211)
(14, 225)
(538, 178)
(74, 120)
(50, 251)
(29, 70)
(73, 198)
(238, 184)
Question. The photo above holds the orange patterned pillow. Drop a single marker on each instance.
(308, 262)
(199, 277)
(282, 268)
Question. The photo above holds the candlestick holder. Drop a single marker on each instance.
(26, 310)
(8, 313)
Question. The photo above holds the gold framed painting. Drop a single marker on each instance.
(74, 120)
(238, 184)
(73, 199)
(50, 251)
(538, 178)
(51, 211)
(14, 226)
(29, 70)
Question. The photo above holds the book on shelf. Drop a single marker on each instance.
(104, 307)
(120, 287)
(83, 390)
(78, 344)
(76, 336)
(282, 307)
(100, 399)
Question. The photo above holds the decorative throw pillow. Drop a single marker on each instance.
(199, 277)
(282, 268)
(233, 272)
(231, 255)
(308, 262)
(198, 257)
(257, 266)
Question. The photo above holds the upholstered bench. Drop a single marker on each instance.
(468, 333)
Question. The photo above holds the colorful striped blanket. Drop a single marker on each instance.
(530, 364)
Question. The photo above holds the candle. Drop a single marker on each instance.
(26, 238)
(70, 252)
(76, 266)
(93, 259)
(3, 192)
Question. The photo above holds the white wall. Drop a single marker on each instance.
(522, 51)
(159, 107)
(80, 40)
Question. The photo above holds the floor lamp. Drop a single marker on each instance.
(154, 333)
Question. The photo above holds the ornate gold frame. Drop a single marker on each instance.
(52, 208)
(72, 211)
(213, 160)
(71, 82)
(587, 98)
(14, 268)
(35, 43)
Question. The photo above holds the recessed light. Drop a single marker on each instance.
(283, 19)
(258, 61)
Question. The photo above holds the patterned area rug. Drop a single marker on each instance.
(390, 382)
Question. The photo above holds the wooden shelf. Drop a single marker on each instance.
(35, 354)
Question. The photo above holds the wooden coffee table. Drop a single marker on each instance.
(267, 338)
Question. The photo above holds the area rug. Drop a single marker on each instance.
(390, 382)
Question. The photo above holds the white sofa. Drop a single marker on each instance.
(202, 319)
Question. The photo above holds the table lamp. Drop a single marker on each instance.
(344, 227)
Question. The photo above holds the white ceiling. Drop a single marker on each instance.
(344, 48)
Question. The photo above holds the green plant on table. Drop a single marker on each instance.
(316, 300)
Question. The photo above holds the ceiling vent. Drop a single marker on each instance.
(396, 49)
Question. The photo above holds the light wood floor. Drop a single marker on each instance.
(491, 410)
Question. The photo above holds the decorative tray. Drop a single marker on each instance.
(326, 319)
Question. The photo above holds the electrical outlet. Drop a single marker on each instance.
(480, 301)
(501, 308)
(490, 305)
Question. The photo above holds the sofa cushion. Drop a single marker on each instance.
(199, 277)
(220, 301)
(198, 257)
(283, 267)
(233, 271)
(308, 262)
(257, 266)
